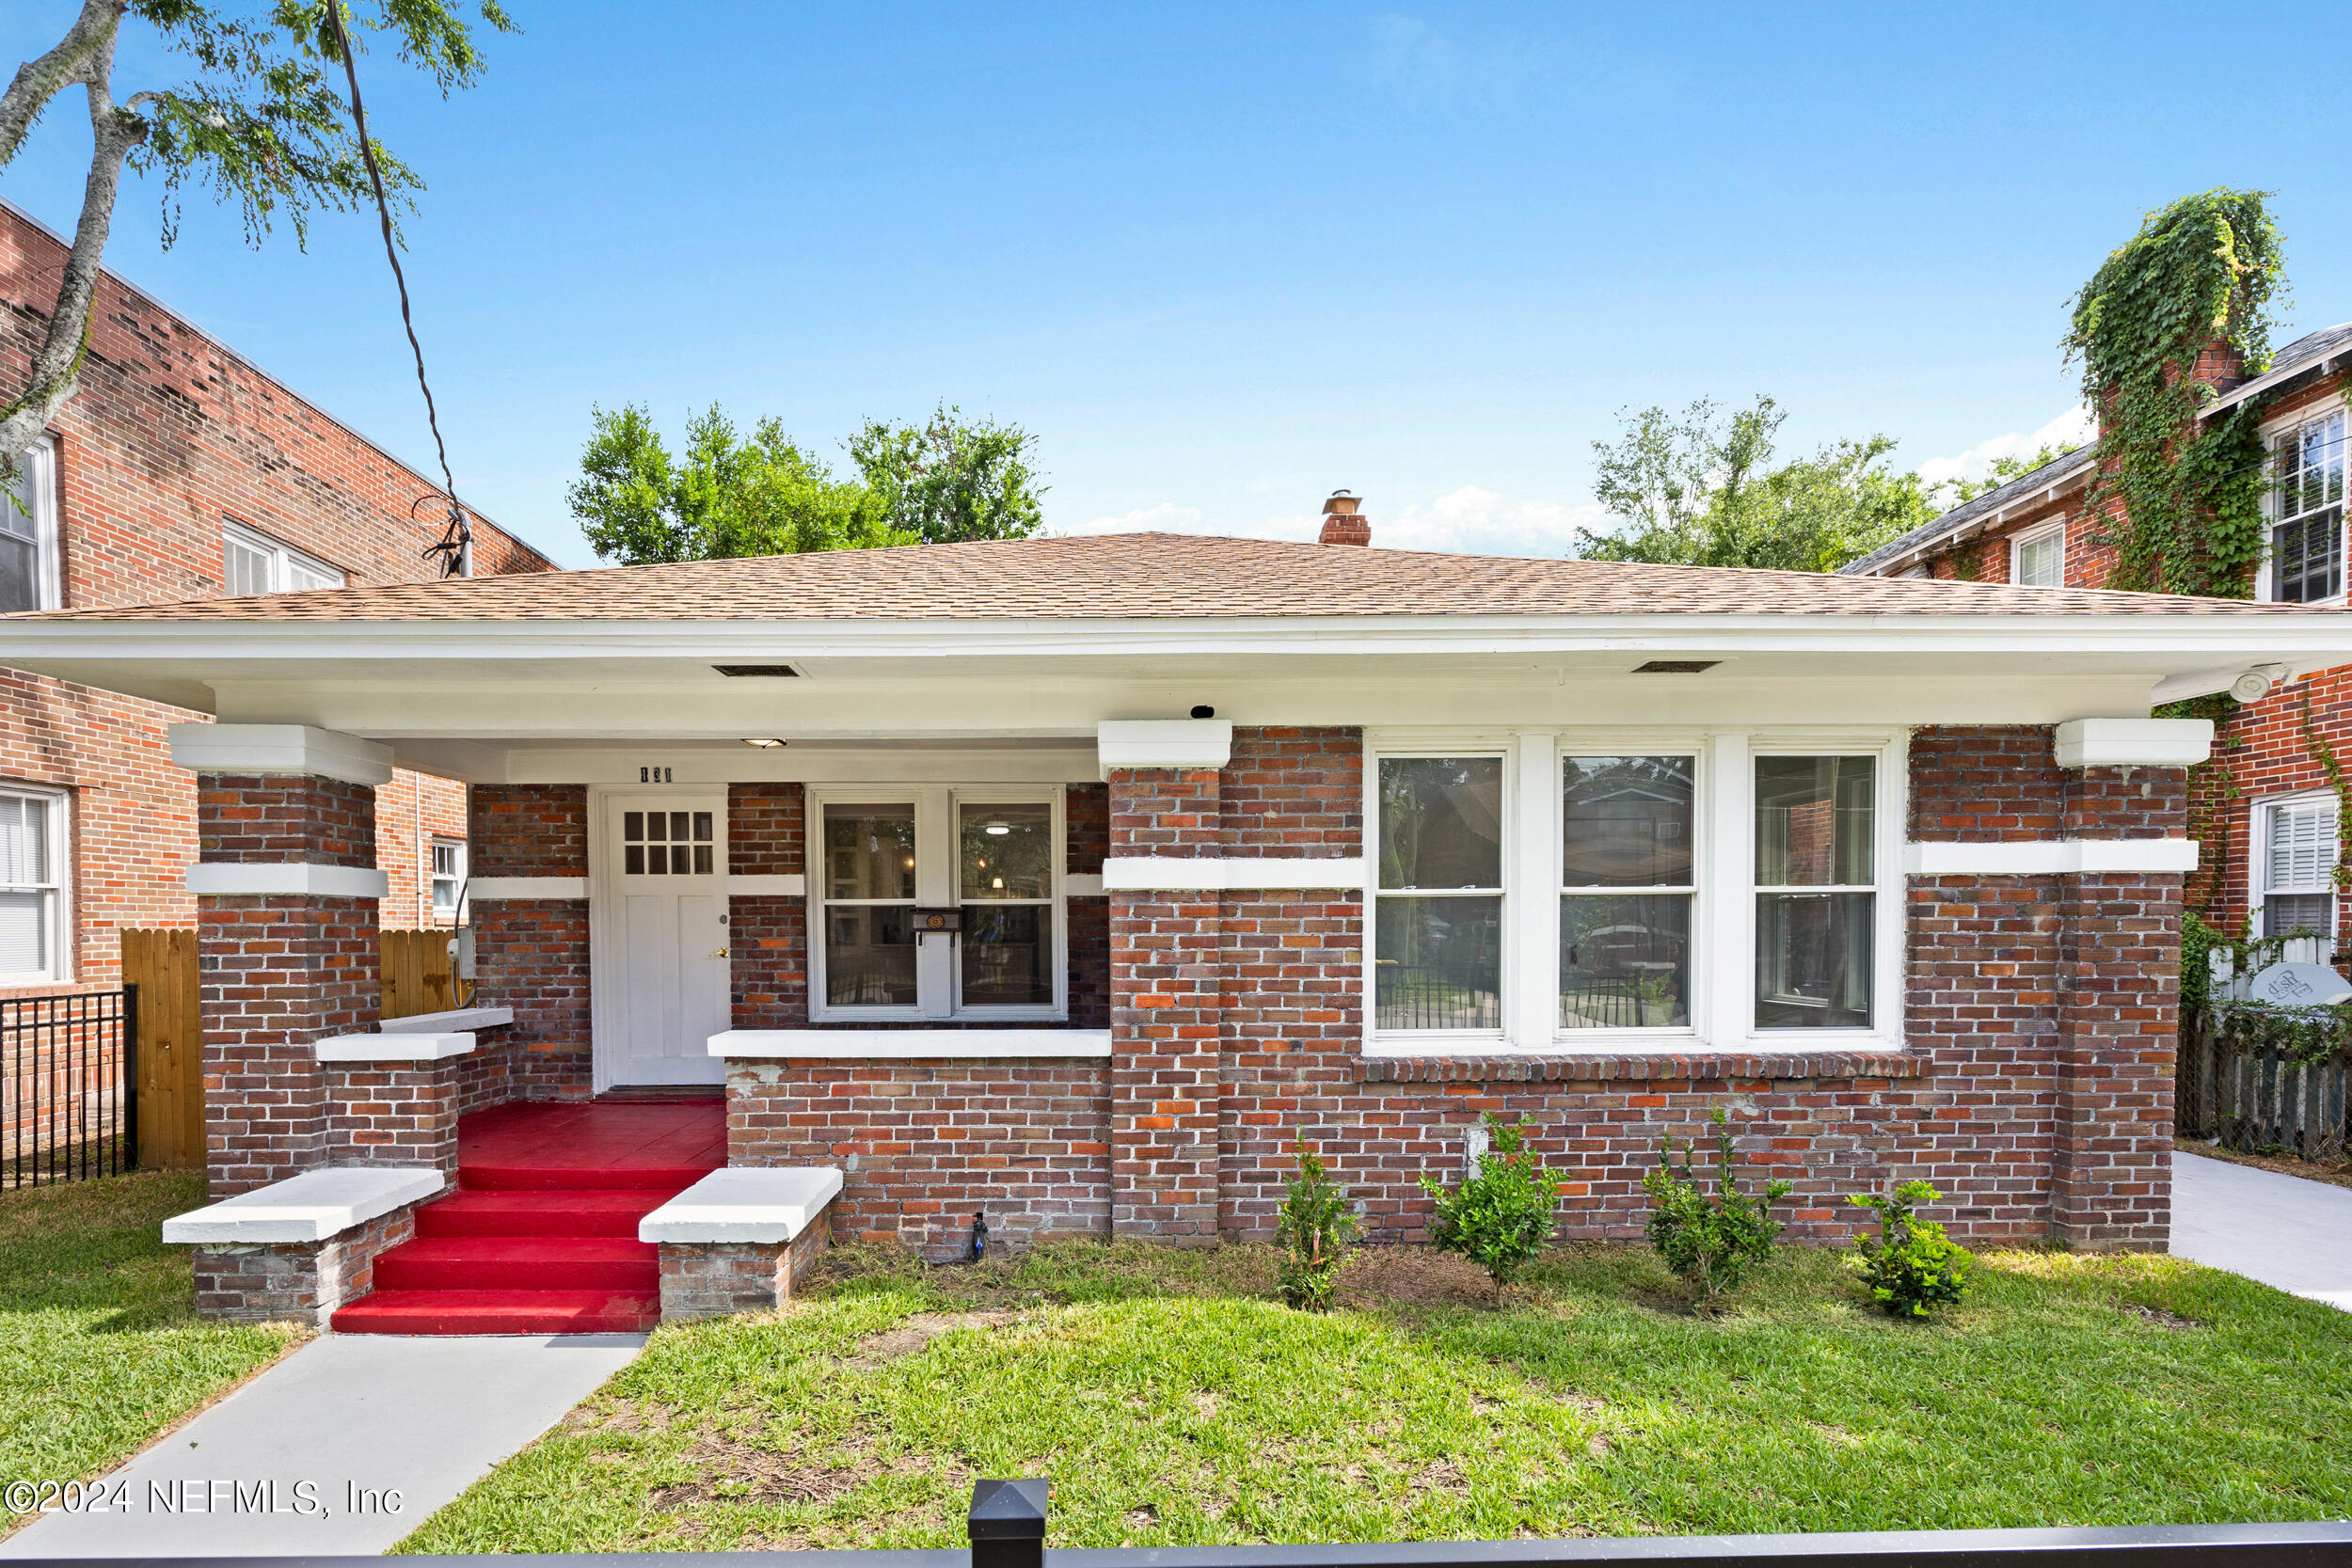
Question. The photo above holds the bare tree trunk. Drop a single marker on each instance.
(86, 55)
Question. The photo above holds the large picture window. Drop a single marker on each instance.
(1815, 898)
(33, 936)
(884, 860)
(1438, 942)
(1626, 891)
(2306, 563)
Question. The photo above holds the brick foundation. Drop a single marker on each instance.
(717, 1279)
(299, 1281)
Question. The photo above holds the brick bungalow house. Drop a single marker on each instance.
(179, 471)
(1065, 882)
(2262, 808)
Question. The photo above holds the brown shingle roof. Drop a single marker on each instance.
(1158, 577)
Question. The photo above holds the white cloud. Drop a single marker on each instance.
(1469, 520)
(2073, 428)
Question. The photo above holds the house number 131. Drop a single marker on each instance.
(657, 775)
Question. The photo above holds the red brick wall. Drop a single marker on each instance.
(532, 953)
(271, 818)
(410, 812)
(1290, 791)
(529, 829)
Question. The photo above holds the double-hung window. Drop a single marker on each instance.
(1605, 890)
(1629, 884)
(2306, 563)
(2038, 559)
(1437, 924)
(936, 903)
(33, 927)
(448, 880)
(2297, 863)
(28, 532)
(253, 562)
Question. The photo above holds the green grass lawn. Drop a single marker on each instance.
(1172, 1403)
(100, 1348)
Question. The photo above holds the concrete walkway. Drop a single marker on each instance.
(343, 1447)
(2281, 1230)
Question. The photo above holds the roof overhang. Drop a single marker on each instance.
(1992, 521)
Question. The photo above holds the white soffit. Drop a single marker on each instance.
(2134, 742)
(1174, 743)
(280, 748)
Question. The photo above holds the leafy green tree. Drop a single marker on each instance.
(1702, 489)
(949, 479)
(1960, 492)
(723, 497)
(256, 122)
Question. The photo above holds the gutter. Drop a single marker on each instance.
(1985, 522)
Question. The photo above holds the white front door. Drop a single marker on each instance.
(662, 891)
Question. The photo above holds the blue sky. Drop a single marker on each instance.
(1224, 258)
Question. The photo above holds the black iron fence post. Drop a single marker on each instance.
(130, 1159)
(1008, 1524)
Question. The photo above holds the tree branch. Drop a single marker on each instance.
(37, 81)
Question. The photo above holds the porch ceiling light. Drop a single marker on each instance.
(998, 828)
(770, 743)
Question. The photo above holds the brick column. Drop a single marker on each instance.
(2119, 962)
(286, 889)
(1166, 1011)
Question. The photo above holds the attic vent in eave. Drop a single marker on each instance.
(764, 670)
(1676, 666)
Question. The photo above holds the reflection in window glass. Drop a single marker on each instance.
(1624, 957)
(1008, 851)
(1008, 954)
(869, 851)
(1624, 961)
(1440, 822)
(1436, 946)
(1815, 950)
(668, 844)
(870, 956)
(1439, 965)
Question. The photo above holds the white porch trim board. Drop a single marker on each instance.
(306, 1208)
(1221, 874)
(2050, 857)
(2133, 742)
(280, 748)
(1177, 743)
(908, 1044)
(274, 878)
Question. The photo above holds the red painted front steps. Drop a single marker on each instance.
(541, 1235)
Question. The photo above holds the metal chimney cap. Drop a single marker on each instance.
(1342, 504)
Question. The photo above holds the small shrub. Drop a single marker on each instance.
(1501, 1218)
(1910, 1265)
(1313, 1232)
(1710, 1242)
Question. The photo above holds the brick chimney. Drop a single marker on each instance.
(1342, 523)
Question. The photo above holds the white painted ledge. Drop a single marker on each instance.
(902, 1044)
(745, 1204)
(2050, 857)
(779, 884)
(2133, 742)
(306, 1208)
(443, 1022)
(1221, 874)
(527, 887)
(394, 1048)
(280, 748)
(299, 878)
(1176, 743)
(1083, 884)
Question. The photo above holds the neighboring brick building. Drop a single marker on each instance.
(910, 855)
(176, 472)
(2262, 808)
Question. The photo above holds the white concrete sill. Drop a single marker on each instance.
(899, 1044)
(444, 1023)
(306, 1208)
(745, 1204)
(394, 1048)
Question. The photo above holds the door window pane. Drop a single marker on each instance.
(1624, 961)
(1440, 822)
(1626, 822)
(870, 956)
(668, 844)
(1008, 851)
(1439, 964)
(1008, 955)
(1813, 821)
(1813, 959)
(869, 851)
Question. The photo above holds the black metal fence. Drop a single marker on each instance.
(68, 1086)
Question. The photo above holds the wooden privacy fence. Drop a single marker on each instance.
(162, 965)
(421, 973)
(2258, 1098)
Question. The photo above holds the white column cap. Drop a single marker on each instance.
(2134, 742)
(1178, 743)
(280, 748)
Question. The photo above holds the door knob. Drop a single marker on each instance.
(720, 953)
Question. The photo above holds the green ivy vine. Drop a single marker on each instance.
(2190, 519)
(2324, 756)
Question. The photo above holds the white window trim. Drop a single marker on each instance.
(2034, 537)
(2258, 888)
(1722, 938)
(939, 978)
(39, 465)
(2273, 434)
(432, 910)
(282, 557)
(61, 927)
